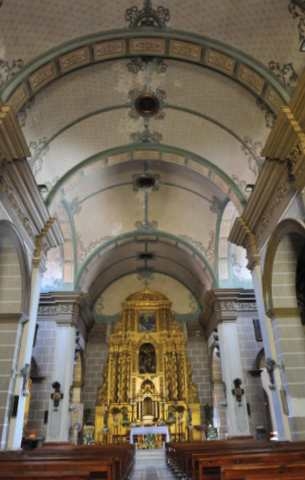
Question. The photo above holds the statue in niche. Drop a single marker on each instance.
(147, 358)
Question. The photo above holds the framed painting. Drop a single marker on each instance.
(147, 322)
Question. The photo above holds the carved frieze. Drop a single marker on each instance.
(75, 59)
(220, 61)
(43, 76)
(251, 79)
(187, 50)
(16, 206)
(19, 98)
(112, 49)
(147, 45)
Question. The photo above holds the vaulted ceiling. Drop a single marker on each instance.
(220, 70)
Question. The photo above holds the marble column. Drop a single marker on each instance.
(274, 392)
(223, 308)
(59, 418)
(69, 310)
(237, 416)
(24, 360)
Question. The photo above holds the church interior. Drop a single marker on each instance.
(152, 239)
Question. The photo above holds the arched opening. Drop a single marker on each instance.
(14, 304)
(300, 283)
(284, 297)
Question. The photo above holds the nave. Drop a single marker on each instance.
(151, 465)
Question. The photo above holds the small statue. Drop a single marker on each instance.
(237, 391)
(270, 366)
(56, 396)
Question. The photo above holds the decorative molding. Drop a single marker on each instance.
(157, 96)
(39, 149)
(67, 308)
(40, 244)
(285, 73)
(139, 64)
(147, 16)
(9, 69)
(12, 141)
(270, 116)
(281, 177)
(18, 207)
(146, 136)
(297, 10)
(144, 43)
(19, 192)
(166, 153)
(225, 305)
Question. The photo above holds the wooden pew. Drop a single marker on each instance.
(202, 462)
(111, 462)
(264, 472)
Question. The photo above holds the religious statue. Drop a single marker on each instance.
(147, 358)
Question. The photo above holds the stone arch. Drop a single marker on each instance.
(14, 271)
(283, 254)
(178, 45)
(14, 305)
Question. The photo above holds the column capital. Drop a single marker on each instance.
(66, 308)
(225, 305)
(241, 234)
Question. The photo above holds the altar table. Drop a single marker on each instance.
(154, 430)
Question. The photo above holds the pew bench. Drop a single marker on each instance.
(112, 462)
(264, 472)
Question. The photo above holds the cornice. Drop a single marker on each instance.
(225, 305)
(18, 189)
(12, 141)
(281, 177)
(66, 308)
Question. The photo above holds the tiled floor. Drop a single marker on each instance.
(151, 465)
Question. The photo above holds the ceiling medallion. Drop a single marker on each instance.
(146, 181)
(146, 136)
(147, 103)
(147, 16)
(139, 64)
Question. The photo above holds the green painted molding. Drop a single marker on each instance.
(132, 272)
(132, 236)
(131, 257)
(218, 225)
(126, 106)
(127, 34)
(130, 184)
(134, 147)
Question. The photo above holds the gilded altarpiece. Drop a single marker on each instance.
(147, 379)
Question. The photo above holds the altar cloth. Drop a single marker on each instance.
(153, 430)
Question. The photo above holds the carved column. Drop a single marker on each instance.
(224, 307)
(26, 343)
(241, 234)
(275, 391)
(65, 309)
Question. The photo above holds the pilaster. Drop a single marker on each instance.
(70, 312)
(224, 306)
